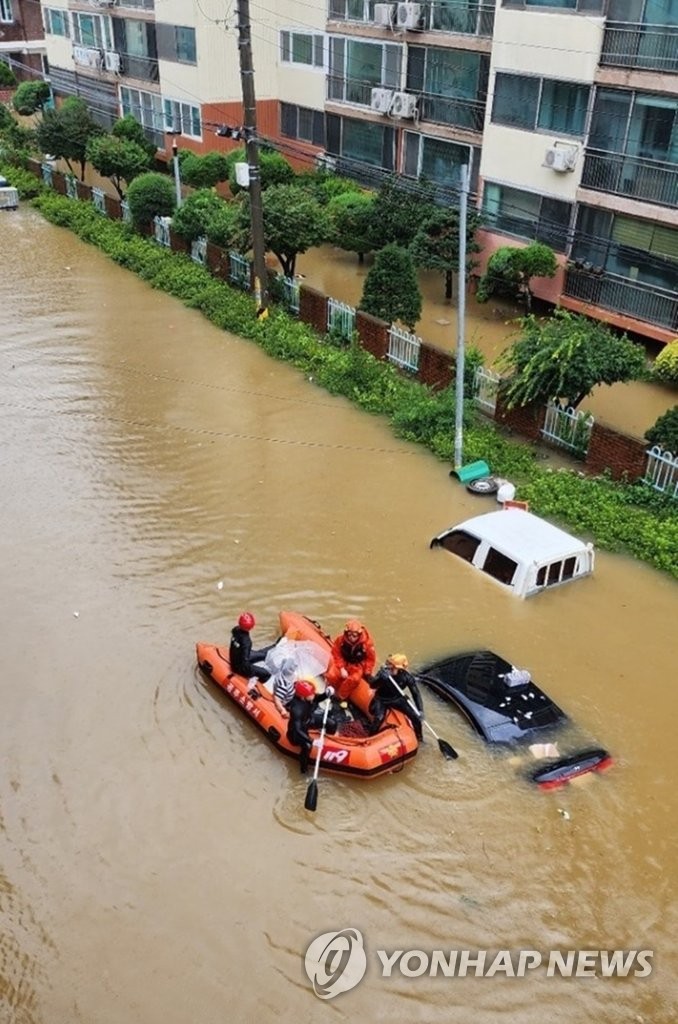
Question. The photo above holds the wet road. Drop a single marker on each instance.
(157, 863)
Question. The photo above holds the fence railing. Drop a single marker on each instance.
(99, 200)
(340, 318)
(240, 273)
(161, 230)
(661, 471)
(403, 348)
(568, 428)
(46, 171)
(125, 212)
(290, 293)
(71, 186)
(199, 250)
(485, 389)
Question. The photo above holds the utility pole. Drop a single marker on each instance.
(252, 150)
(177, 172)
(461, 318)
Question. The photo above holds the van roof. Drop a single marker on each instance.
(522, 535)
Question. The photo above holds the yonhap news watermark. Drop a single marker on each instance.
(336, 962)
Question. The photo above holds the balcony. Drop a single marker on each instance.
(648, 47)
(461, 113)
(143, 5)
(654, 181)
(642, 302)
(144, 69)
(463, 17)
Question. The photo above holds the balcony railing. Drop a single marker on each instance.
(463, 113)
(350, 90)
(652, 47)
(655, 181)
(642, 302)
(144, 5)
(463, 18)
(145, 69)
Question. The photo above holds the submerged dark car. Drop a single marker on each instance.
(506, 707)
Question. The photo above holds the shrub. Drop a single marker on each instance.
(7, 76)
(665, 366)
(192, 218)
(391, 288)
(150, 195)
(26, 183)
(30, 97)
(665, 431)
(204, 171)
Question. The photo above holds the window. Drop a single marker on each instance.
(436, 160)
(146, 107)
(540, 104)
(6, 10)
(302, 48)
(462, 544)
(641, 250)
(468, 17)
(527, 215)
(556, 572)
(500, 566)
(302, 123)
(352, 10)
(183, 118)
(184, 40)
(356, 67)
(559, 5)
(92, 30)
(56, 22)
(363, 142)
(454, 84)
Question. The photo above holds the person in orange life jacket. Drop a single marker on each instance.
(387, 698)
(301, 710)
(241, 654)
(351, 658)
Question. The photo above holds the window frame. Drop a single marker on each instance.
(186, 118)
(178, 47)
(534, 126)
(286, 49)
(103, 30)
(6, 12)
(49, 14)
(137, 110)
(537, 235)
(390, 73)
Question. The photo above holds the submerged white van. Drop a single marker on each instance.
(519, 550)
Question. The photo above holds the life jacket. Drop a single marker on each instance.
(353, 654)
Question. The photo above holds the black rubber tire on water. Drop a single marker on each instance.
(484, 485)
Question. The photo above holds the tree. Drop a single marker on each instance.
(273, 169)
(194, 215)
(7, 76)
(31, 97)
(665, 431)
(391, 289)
(436, 243)
(128, 128)
(65, 132)
(293, 222)
(564, 357)
(350, 219)
(204, 171)
(17, 141)
(399, 212)
(117, 158)
(150, 195)
(666, 364)
(224, 226)
(511, 269)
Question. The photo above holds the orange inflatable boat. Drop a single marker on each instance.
(351, 750)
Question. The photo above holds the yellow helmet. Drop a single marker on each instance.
(398, 661)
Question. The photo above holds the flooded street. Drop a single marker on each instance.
(491, 327)
(156, 860)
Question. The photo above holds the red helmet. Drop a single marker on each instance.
(353, 626)
(304, 688)
(247, 621)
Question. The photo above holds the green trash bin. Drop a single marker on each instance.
(473, 471)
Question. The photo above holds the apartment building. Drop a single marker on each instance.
(565, 111)
(22, 43)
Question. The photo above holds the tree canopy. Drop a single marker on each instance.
(195, 214)
(117, 158)
(436, 243)
(399, 212)
(66, 130)
(204, 171)
(350, 221)
(128, 127)
(391, 289)
(665, 431)
(150, 195)
(510, 271)
(294, 221)
(31, 97)
(564, 357)
(273, 169)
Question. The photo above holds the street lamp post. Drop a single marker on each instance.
(461, 318)
(177, 173)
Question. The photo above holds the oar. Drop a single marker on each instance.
(445, 749)
(311, 801)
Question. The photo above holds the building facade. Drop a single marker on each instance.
(22, 43)
(565, 111)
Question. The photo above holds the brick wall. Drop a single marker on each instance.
(178, 244)
(113, 208)
(313, 308)
(373, 334)
(621, 454)
(527, 421)
(217, 261)
(84, 192)
(59, 182)
(436, 367)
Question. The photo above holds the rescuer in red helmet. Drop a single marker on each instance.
(242, 657)
(352, 657)
(301, 711)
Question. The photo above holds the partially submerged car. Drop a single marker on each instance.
(521, 551)
(507, 708)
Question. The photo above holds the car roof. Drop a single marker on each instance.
(522, 535)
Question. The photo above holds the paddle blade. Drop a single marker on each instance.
(311, 801)
(447, 751)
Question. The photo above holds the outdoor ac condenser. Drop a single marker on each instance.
(381, 100)
(408, 16)
(404, 105)
(560, 158)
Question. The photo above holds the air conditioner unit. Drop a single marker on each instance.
(408, 16)
(404, 105)
(381, 100)
(112, 61)
(561, 158)
(102, 3)
(325, 162)
(383, 15)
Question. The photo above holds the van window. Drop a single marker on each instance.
(462, 544)
(569, 565)
(554, 573)
(499, 566)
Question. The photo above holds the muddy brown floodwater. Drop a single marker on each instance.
(157, 863)
(490, 327)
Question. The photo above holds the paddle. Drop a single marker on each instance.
(445, 749)
(311, 801)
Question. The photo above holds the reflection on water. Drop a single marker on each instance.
(490, 327)
(157, 852)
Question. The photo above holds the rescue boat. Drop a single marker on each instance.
(351, 750)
